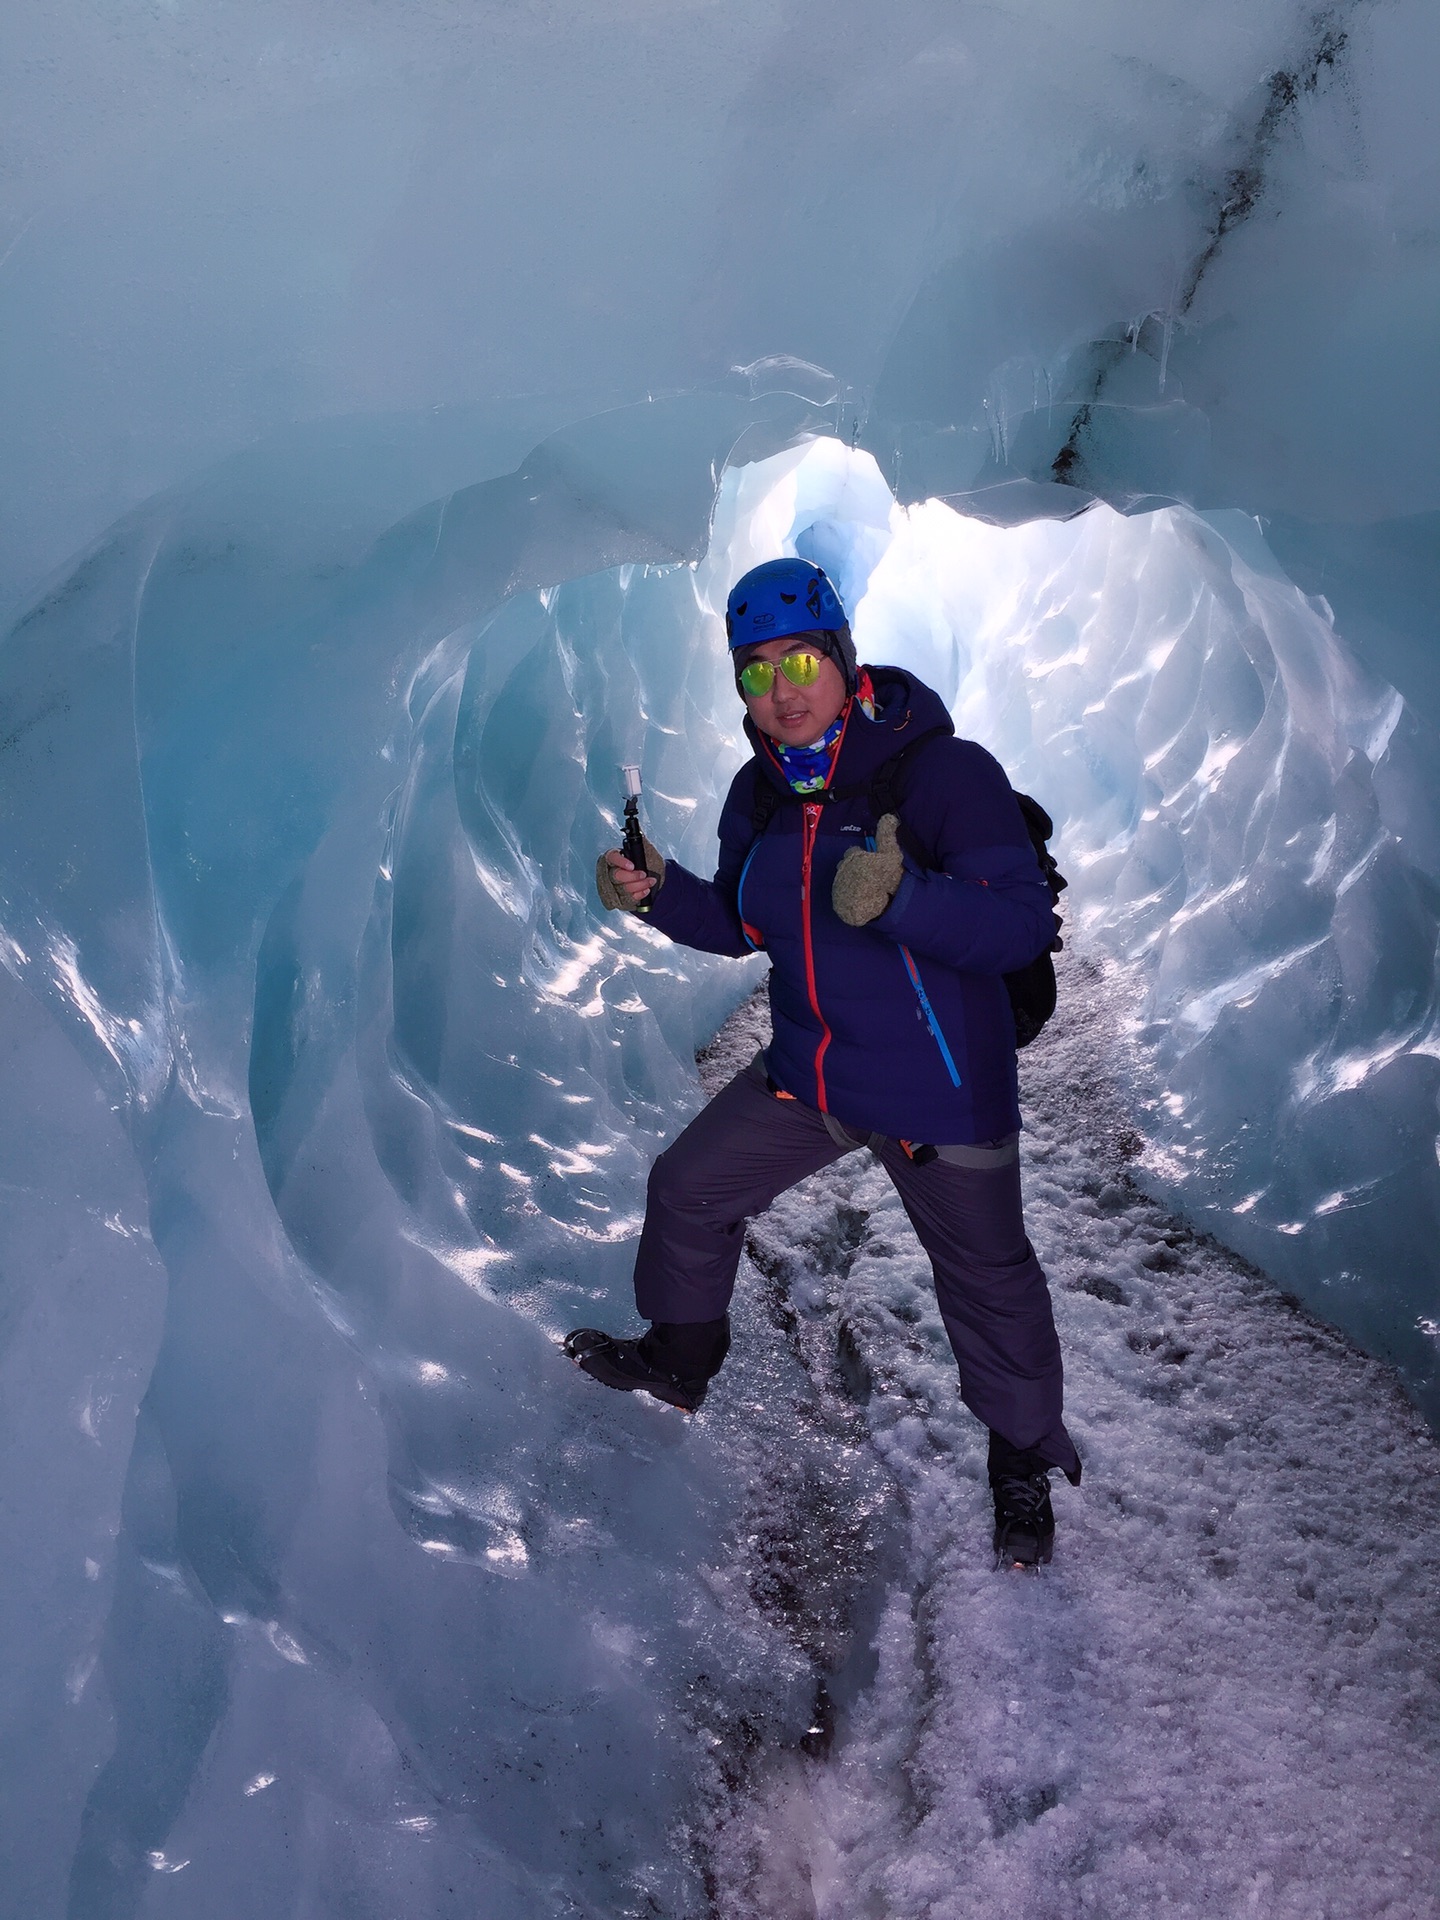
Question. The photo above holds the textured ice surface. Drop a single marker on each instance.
(351, 1599)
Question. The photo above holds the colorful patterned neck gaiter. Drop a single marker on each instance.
(808, 768)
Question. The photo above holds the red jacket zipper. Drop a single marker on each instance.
(812, 814)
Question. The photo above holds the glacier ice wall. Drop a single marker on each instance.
(303, 759)
(334, 1095)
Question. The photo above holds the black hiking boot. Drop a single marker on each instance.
(1024, 1519)
(674, 1363)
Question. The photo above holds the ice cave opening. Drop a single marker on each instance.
(1245, 814)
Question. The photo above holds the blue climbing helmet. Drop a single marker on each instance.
(783, 597)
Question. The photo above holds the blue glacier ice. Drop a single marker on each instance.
(390, 399)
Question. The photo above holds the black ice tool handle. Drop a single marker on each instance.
(633, 845)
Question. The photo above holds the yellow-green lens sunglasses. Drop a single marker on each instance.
(801, 669)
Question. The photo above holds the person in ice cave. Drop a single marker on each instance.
(885, 868)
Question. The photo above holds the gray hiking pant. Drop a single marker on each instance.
(748, 1145)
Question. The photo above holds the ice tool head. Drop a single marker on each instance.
(784, 597)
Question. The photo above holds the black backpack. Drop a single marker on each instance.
(1031, 989)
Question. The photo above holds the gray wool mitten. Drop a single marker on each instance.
(610, 895)
(865, 881)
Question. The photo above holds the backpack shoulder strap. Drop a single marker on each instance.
(887, 783)
(766, 801)
(1040, 826)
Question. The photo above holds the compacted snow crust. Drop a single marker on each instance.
(1221, 1698)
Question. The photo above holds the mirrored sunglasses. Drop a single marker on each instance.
(801, 669)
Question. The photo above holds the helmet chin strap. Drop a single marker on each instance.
(846, 666)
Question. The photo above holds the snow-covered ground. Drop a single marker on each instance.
(1223, 1696)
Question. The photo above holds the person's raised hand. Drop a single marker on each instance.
(624, 887)
(866, 879)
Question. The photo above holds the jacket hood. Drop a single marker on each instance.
(904, 708)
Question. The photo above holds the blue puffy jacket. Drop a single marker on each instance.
(902, 1027)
